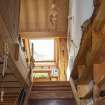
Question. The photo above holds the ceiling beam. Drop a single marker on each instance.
(31, 35)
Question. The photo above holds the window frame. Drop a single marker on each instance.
(43, 61)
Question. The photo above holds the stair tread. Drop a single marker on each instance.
(51, 102)
(50, 94)
(52, 83)
(51, 90)
(38, 88)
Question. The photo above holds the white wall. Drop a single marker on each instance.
(80, 11)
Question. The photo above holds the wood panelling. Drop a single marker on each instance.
(98, 36)
(35, 21)
(9, 11)
(84, 54)
(99, 72)
(92, 50)
(63, 57)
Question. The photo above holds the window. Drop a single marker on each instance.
(43, 49)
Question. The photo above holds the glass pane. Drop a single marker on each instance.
(43, 49)
(40, 75)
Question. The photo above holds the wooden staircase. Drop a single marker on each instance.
(51, 93)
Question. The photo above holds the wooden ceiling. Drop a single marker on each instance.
(35, 18)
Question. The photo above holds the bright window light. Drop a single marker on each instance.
(43, 49)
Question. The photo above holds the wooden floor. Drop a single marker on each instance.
(51, 93)
(52, 102)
